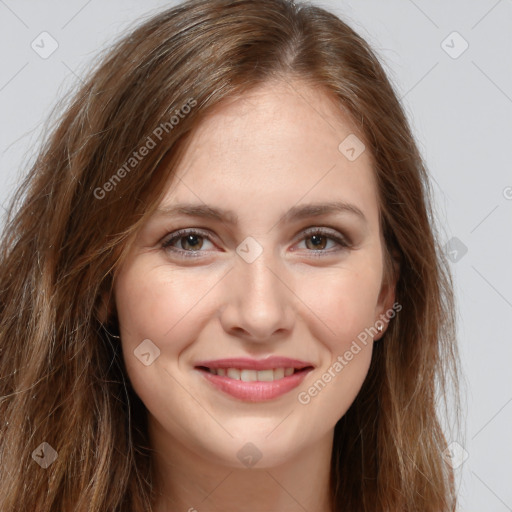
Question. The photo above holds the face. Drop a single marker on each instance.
(243, 300)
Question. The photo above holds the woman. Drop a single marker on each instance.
(220, 285)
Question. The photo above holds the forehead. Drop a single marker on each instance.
(277, 143)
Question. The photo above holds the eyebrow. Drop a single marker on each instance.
(295, 213)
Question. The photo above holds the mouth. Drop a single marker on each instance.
(254, 380)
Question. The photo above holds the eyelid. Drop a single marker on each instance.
(332, 233)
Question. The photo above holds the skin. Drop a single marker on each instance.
(259, 155)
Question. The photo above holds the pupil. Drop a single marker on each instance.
(191, 240)
(317, 241)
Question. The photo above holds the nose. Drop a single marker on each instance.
(259, 300)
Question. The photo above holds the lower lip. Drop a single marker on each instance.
(256, 391)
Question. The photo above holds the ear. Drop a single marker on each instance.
(387, 294)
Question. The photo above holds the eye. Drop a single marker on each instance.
(191, 242)
(316, 239)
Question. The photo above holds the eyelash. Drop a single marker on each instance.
(167, 244)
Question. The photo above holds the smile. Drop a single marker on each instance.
(254, 380)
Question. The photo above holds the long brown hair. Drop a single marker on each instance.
(62, 378)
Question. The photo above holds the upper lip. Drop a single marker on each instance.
(244, 363)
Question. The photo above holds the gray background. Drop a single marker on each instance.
(460, 109)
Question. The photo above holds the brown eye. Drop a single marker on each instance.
(187, 243)
(318, 242)
(193, 242)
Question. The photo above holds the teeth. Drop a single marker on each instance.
(265, 375)
(278, 373)
(233, 373)
(249, 375)
(253, 375)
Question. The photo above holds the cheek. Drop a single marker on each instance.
(344, 301)
(334, 389)
(153, 302)
(345, 307)
(163, 306)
